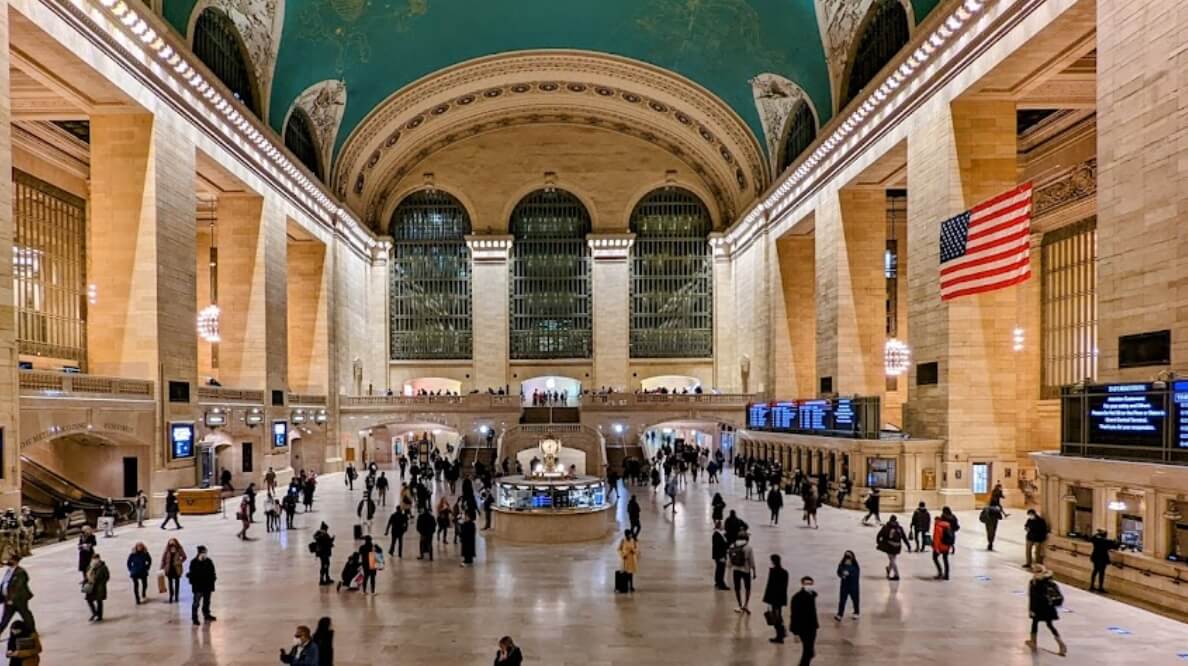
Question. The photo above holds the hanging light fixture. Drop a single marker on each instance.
(897, 357)
(208, 323)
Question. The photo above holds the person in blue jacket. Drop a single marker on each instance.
(848, 573)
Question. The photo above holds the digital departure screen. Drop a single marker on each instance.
(1180, 400)
(757, 416)
(783, 416)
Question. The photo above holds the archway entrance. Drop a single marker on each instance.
(670, 384)
(432, 386)
(703, 434)
(551, 390)
(85, 469)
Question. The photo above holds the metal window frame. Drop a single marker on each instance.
(299, 138)
(802, 130)
(672, 292)
(1069, 310)
(430, 313)
(550, 307)
(49, 269)
(887, 31)
(219, 46)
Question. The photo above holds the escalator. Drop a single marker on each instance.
(41, 487)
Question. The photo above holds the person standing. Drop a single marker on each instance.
(171, 510)
(397, 526)
(86, 548)
(444, 516)
(172, 566)
(802, 621)
(350, 476)
(95, 587)
(921, 527)
(629, 557)
(426, 526)
(810, 507)
(509, 654)
(742, 563)
(403, 466)
(272, 510)
(323, 637)
(849, 576)
(775, 502)
(62, 516)
(14, 590)
(719, 507)
(633, 516)
(365, 510)
(381, 486)
(670, 491)
(304, 651)
(990, 517)
(289, 504)
(890, 540)
(1043, 597)
(943, 538)
(872, 507)
(202, 584)
(1100, 557)
(468, 530)
(323, 547)
(244, 514)
(775, 595)
(718, 549)
(487, 499)
(270, 481)
(141, 506)
(370, 559)
(1036, 528)
(139, 565)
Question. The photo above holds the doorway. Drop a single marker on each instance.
(980, 481)
(131, 475)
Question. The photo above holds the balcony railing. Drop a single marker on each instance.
(307, 400)
(685, 400)
(43, 383)
(220, 394)
(473, 401)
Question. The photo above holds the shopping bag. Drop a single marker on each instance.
(161, 583)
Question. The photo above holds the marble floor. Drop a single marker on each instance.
(558, 603)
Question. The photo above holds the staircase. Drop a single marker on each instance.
(541, 415)
(469, 455)
(616, 456)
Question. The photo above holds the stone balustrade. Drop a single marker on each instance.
(469, 402)
(221, 395)
(307, 400)
(45, 384)
(666, 400)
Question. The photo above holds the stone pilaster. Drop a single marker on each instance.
(10, 484)
(308, 323)
(375, 372)
(242, 272)
(794, 308)
(726, 376)
(490, 293)
(611, 275)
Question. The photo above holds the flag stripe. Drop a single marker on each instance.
(987, 247)
(989, 272)
(988, 286)
(955, 267)
(984, 230)
(1022, 206)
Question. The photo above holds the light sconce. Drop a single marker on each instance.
(320, 417)
(208, 323)
(484, 429)
(550, 181)
(1017, 339)
(897, 357)
(1116, 505)
(619, 428)
(92, 293)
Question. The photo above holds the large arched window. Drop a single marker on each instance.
(430, 272)
(885, 34)
(299, 138)
(802, 129)
(672, 304)
(218, 45)
(550, 286)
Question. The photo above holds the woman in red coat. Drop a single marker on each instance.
(942, 545)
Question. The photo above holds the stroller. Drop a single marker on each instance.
(352, 574)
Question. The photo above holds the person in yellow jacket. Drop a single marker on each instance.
(629, 555)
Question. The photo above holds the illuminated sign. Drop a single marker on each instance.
(181, 440)
(215, 418)
(757, 416)
(280, 434)
(1180, 398)
(1127, 415)
(254, 417)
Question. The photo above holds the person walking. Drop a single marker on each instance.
(742, 563)
(633, 516)
(289, 505)
(444, 517)
(381, 486)
(272, 511)
(426, 527)
(244, 514)
(849, 576)
(872, 507)
(351, 475)
(140, 504)
(322, 548)
(323, 637)
(718, 550)
(890, 540)
(810, 507)
(202, 584)
(670, 491)
(397, 526)
(719, 507)
(15, 592)
(62, 511)
(509, 654)
(171, 510)
(954, 525)
(107, 518)
(270, 481)
(1043, 598)
(86, 548)
(921, 527)
(304, 651)
(371, 560)
(943, 538)
(469, 532)
(95, 587)
(1100, 557)
(775, 502)
(629, 557)
(734, 526)
(139, 565)
(775, 595)
(365, 510)
(172, 566)
(24, 645)
(802, 620)
(996, 497)
(487, 499)
(990, 517)
(1036, 528)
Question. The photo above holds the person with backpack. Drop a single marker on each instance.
(371, 560)
(990, 517)
(849, 574)
(1043, 598)
(742, 563)
(942, 544)
(921, 528)
(775, 595)
(890, 541)
(322, 546)
(802, 619)
(629, 557)
(872, 507)
(1036, 528)
(775, 502)
(350, 570)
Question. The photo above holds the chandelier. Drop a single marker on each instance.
(208, 323)
(896, 357)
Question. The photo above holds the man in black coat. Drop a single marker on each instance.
(468, 532)
(718, 551)
(397, 526)
(323, 546)
(802, 621)
(775, 595)
(426, 527)
(633, 515)
(1102, 545)
(202, 584)
(15, 593)
(1037, 533)
(734, 525)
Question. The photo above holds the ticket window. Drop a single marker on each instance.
(1178, 517)
(880, 473)
(1129, 521)
(1081, 524)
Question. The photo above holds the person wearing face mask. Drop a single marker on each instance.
(304, 651)
(802, 621)
(849, 574)
(202, 584)
(775, 595)
(742, 562)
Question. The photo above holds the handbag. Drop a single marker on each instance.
(772, 617)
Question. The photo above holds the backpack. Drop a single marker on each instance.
(1053, 595)
(947, 537)
(738, 556)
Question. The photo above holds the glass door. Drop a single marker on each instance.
(981, 482)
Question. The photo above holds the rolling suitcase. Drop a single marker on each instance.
(358, 532)
(621, 582)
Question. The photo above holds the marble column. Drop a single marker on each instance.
(10, 485)
(726, 375)
(375, 373)
(490, 293)
(611, 286)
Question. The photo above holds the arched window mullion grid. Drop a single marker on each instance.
(672, 304)
(550, 283)
(802, 129)
(430, 302)
(299, 138)
(886, 32)
(218, 45)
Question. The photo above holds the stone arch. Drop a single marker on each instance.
(323, 103)
(880, 15)
(259, 24)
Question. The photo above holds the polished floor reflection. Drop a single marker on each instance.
(557, 601)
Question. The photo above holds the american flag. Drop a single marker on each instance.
(988, 247)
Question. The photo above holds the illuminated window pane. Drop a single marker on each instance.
(1069, 265)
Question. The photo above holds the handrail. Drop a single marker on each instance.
(59, 384)
(469, 401)
(305, 399)
(220, 394)
(649, 399)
